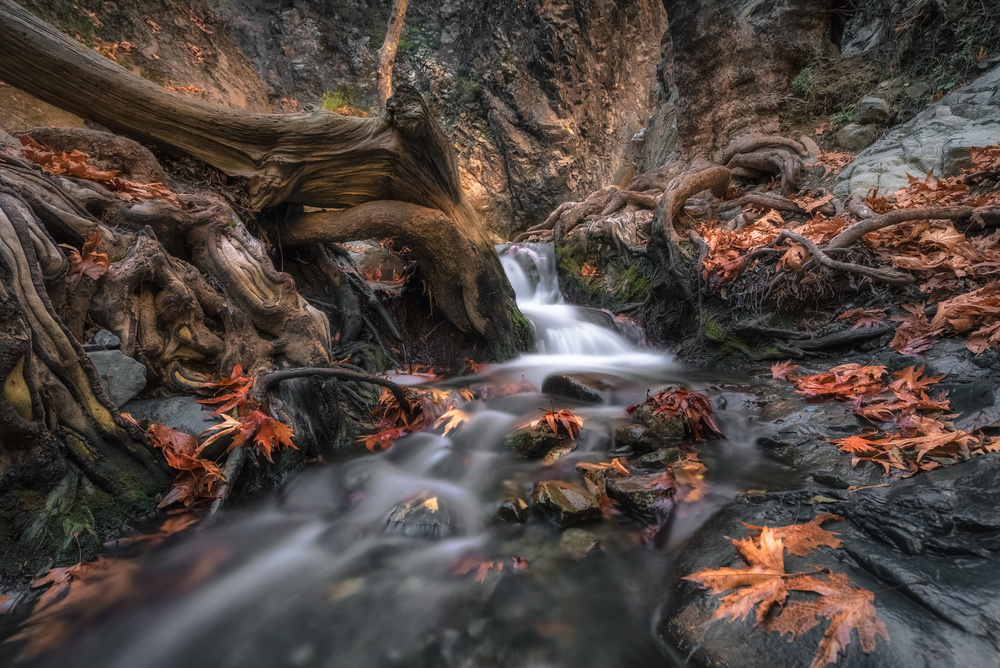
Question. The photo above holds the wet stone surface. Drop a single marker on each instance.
(424, 518)
(928, 547)
(564, 503)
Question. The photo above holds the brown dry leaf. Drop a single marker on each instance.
(794, 257)
(452, 420)
(589, 271)
(847, 607)
(86, 262)
(801, 539)
(867, 318)
(782, 369)
(842, 382)
(562, 422)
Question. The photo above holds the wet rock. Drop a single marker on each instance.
(640, 438)
(122, 376)
(564, 503)
(578, 543)
(663, 427)
(855, 137)
(798, 433)
(937, 138)
(927, 546)
(872, 111)
(646, 494)
(531, 441)
(422, 518)
(659, 459)
(513, 511)
(180, 413)
(592, 388)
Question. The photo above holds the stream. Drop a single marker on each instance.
(377, 561)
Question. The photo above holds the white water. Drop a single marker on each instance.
(567, 339)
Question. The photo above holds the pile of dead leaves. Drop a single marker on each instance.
(764, 588)
(430, 408)
(198, 480)
(917, 434)
(693, 408)
(243, 419)
(76, 163)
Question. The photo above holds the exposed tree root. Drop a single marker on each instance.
(890, 277)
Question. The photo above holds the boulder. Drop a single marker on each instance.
(639, 438)
(855, 137)
(928, 547)
(937, 138)
(513, 511)
(594, 388)
(122, 376)
(564, 503)
(872, 110)
(645, 494)
(531, 441)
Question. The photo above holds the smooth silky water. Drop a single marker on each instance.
(322, 573)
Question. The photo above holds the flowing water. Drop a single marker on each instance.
(374, 562)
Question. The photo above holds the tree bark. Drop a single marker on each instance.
(387, 54)
(317, 158)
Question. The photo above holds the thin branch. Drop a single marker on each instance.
(890, 277)
(265, 381)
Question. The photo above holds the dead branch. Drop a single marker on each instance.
(890, 277)
(265, 381)
(860, 229)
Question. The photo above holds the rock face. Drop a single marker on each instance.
(926, 546)
(937, 138)
(734, 60)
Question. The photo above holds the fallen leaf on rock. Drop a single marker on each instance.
(801, 539)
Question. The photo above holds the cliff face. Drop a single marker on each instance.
(541, 98)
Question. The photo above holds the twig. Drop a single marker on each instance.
(890, 277)
(265, 381)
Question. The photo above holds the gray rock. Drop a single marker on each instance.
(578, 543)
(180, 413)
(862, 34)
(663, 427)
(531, 441)
(917, 90)
(513, 511)
(564, 503)
(854, 137)
(122, 376)
(646, 494)
(640, 438)
(657, 460)
(937, 138)
(872, 110)
(106, 339)
(422, 517)
(593, 388)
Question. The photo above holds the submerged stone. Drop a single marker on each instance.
(564, 503)
(578, 543)
(513, 511)
(646, 494)
(422, 518)
(595, 388)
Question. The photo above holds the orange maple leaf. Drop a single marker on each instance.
(801, 539)
(563, 422)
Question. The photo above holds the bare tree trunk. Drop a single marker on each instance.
(387, 54)
(314, 158)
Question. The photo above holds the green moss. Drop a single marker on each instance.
(346, 100)
(715, 331)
